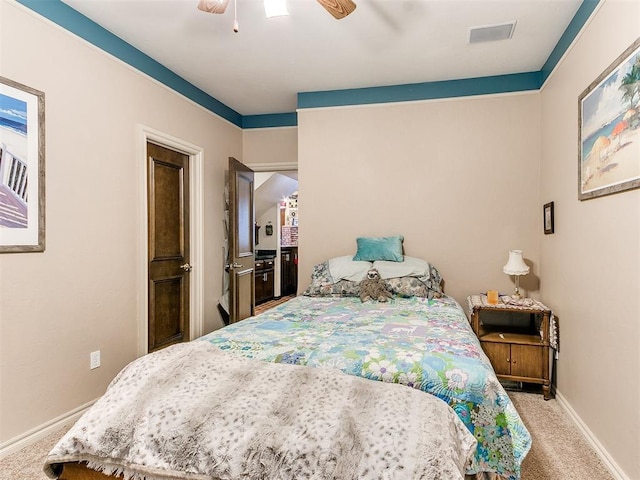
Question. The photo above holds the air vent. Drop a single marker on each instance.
(491, 33)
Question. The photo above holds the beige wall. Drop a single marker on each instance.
(270, 145)
(269, 242)
(590, 266)
(458, 178)
(81, 294)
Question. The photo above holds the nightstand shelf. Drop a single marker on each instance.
(510, 337)
(517, 353)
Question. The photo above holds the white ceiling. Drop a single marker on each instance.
(272, 188)
(383, 42)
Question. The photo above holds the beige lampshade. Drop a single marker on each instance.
(515, 265)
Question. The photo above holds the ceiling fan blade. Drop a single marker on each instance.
(213, 6)
(338, 8)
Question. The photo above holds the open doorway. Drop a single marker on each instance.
(275, 199)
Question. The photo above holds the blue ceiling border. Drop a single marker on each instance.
(270, 120)
(72, 20)
(571, 32)
(519, 82)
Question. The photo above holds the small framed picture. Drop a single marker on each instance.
(548, 218)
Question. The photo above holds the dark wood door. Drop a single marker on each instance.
(168, 219)
(241, 242)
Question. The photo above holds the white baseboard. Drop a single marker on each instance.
(609, 462)
(32, 436)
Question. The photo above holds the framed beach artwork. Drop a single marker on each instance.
(609, 129)
(22, 197)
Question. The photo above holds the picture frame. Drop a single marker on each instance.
(609, 129)
(547, 216)
(22, 168)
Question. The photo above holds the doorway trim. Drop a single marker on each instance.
(196, 229)
(275, 168)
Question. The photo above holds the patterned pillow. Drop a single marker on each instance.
(434, 282)
(343, 288)
(411, 287)
(323, 284)
(321, 274)
(428, 285)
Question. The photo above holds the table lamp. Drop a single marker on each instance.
(516, 266)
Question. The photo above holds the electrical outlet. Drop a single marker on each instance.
(94, 359)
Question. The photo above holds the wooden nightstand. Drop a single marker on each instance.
(517, 353)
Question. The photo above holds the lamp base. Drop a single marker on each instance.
(516, 295)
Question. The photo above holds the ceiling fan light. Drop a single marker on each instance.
(275, 8)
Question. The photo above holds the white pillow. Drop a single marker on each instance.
(345, 268)
(411, 267)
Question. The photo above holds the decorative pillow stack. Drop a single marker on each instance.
(405, 276)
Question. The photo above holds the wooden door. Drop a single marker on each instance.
(168, 268)
(241, 242)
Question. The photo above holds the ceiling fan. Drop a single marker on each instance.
(338, 8)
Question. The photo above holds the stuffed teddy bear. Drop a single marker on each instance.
(373, 287)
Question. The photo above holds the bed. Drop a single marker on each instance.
(419, 341)
(426, 344)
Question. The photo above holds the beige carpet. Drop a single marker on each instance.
(559, 451)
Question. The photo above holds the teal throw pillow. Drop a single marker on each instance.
(371, 249)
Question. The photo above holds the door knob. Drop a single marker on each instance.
(186, 267)
(228, 267)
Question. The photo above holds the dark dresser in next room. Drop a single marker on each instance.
(264, 275)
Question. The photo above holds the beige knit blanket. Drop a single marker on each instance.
(194, 412)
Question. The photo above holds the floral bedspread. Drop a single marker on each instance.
(424, 344)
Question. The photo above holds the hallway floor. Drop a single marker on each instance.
(272, 303)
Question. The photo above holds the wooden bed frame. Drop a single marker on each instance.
(80, 471)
